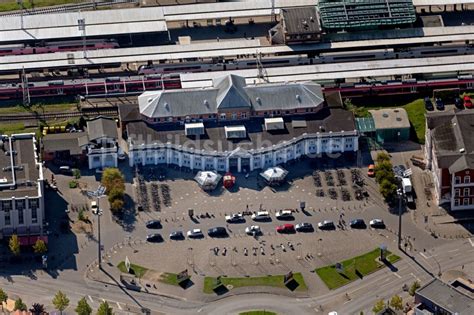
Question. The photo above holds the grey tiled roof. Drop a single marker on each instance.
(229, 92)
(101, 127)
(447, 297)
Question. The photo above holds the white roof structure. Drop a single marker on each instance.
(194, 129)
(275, 123)
(207, 180)
(235, 132)
(274, 174)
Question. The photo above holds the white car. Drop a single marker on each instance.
(261, 215)
(377, 223)
(94, 207)
(284, 214)
(253, 230)
(194, 233)
(232, 218)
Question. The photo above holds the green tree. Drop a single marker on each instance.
(388, 189)
(116, 206)
(379, 305)
(381, 157)
(112, 179)
(14, 245)
(115, 194)
(60, 301)
(20, 305)
(83, 308)
(104, 309)
(3, 297)
(396, 302)
(40, 247)
(415, 286)
(37, 309)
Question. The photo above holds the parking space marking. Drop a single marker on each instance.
(90, 298)
(470, 241)
(118, 305)
(424, 256)
(453, 250)
(396, 274)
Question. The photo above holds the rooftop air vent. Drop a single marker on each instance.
(399, 119)
(150, 99)
(167, 106)
(206, 103)
(258, 100)
(396, 110)
(385, 115)
(298, 98)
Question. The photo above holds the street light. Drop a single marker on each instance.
(81, 23)
(400, 195)
(99, 193)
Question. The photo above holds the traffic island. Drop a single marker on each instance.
(260, 312)
(181, 279)
(223, 284)
(340, 274)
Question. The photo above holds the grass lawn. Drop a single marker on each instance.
(261, 312)
(267, 281)
(38, 108)
(364, 264)
(11, 5)
(169, 278)
(138, 271)
(11, 128)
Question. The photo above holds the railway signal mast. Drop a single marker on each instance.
(262, 72)
(25, 89)
(81, 23)
(20, 3)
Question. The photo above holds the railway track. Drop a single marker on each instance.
(112, 112)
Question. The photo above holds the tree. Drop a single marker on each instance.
(60, 301)
(40, 247)
(3, 297)
(37, 309)
(388, 189)
(104, 309)
(116, 205)
(415, 286)
(379, 305)
(396, 302)
(112, 179)
(83, 308)
(381, 157)
(14, 245)
(20, 305)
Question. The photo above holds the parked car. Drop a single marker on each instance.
(177, 235)
(253, 230)
(439, 103)
(65, 170)
(399, 170)
(304, 227)
(261, 216)
(357, 224)
(94, 208)
(154, 238)
(428, 104)
(458, 103)
(234, 218)
(285, 228)
(326, 225)
(217, 232)
(371, 170)
(467, 101)
(377, 223)
(195, 233)
(284, 214)
(153, 224)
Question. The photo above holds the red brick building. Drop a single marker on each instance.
(450, 157)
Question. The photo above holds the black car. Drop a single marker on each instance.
(428, 104)
(217, 232)
(439, 104)
(357, 224)
(153, 224)
(304, 227)
(177, 235)
(458, 103)
(154, 238)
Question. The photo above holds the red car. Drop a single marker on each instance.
(286, 228)
(371, 170)
(468, 102)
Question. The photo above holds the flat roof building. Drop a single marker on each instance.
(298, 25)
(391, 124)
(21, 188)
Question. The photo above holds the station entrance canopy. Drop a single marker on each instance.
(365, 14)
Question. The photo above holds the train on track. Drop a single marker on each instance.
(59, 46)
(295, 60)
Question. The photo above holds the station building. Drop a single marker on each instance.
(450, 157)
(233, 126)
(21, 189)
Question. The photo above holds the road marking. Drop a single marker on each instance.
(452, 251)
(399, 277)
(199, 310)
(90, 298)
(118, 305)
(470, 241)
(426, 257)
(347, 302)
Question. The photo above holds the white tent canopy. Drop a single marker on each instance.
(274, 175)
(207, 180)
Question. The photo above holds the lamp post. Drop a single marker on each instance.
(99, 193)
(400, 195)
(81, 23)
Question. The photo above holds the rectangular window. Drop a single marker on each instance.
(457, 180)
(467, 179)
(222, 116)
(243, 115)
(466, 192)
(6, 205)
(234, 115)
(465, 201)
(456, 202)
(34, 216)
(7, 218)
(21, 218)
(20, 204)
(457, 192)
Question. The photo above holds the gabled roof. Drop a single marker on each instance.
(101, 127)
(231, 92)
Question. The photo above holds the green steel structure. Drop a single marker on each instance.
(365, 14)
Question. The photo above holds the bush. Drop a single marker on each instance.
(116, 205)
(415, 286)
(76, 173)
(72, 184)
(81, 216)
